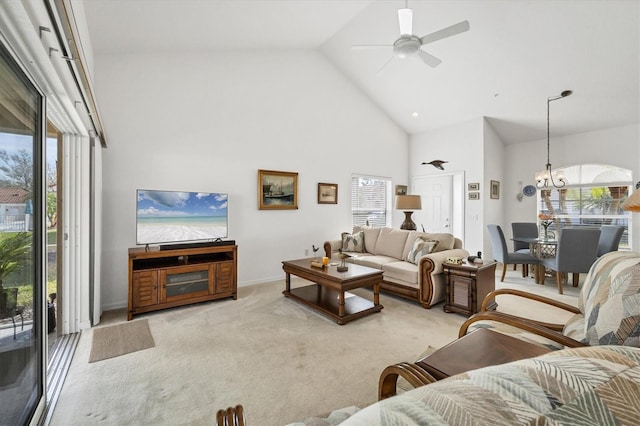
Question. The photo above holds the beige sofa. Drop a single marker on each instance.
(388, 249)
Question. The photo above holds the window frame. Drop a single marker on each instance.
(363, 213)
(556, 203)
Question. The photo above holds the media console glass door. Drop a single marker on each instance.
(195, 281)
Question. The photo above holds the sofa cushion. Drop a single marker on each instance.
(391, 242)
(404, 272)
(353, 242)
(372, 260)
(574, 328)
(370, 237)
(421, 246)
(445, 241)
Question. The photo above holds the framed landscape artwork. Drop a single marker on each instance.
(495, 189)
(277, 190)
(401, 189)
(327, 193)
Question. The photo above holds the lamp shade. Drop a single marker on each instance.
(632, 204)
(408, 202)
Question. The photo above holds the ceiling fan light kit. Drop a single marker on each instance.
(406, 45)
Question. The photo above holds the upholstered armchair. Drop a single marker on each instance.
(608, 311)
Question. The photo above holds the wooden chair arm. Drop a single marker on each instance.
(232, 416)
(412, 373)
(489, 298)
(524, 324)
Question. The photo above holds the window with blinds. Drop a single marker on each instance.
(370, 201)
(589, 200)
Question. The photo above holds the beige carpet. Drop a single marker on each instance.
(280, 360)
(117, 340)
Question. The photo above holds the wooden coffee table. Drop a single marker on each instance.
(480, 348)
(329, 293)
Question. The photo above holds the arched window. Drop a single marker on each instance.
(592, 197)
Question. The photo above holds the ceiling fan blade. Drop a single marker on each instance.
(384, 65)
(370, 46)
(458, 28)
(429, 59)
(405, 17)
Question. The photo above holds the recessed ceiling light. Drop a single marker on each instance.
(414, 114)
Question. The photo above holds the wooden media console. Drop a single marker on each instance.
(161, 279)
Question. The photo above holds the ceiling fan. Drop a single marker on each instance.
(410, 45)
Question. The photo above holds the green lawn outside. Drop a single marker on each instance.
(25, 291)
(52, 237)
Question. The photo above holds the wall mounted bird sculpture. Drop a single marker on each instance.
(436, 163)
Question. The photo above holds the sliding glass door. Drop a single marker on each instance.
(22, 297)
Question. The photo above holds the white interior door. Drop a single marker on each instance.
(442, 203)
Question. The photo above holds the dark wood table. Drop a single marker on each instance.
(480, 348)
(329, 293)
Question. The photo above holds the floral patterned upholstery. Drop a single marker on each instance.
(610, 300)
(590, 385)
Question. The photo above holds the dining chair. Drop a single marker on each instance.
(523, 230)
(504, 256)
(610, 236)
(576, 251)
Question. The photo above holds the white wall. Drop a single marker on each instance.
(209, 121)
(618, 146)
(462, 146)
(493, 170)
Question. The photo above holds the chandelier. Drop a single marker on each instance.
(548, 178)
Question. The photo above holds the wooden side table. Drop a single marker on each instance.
(480, 348)
(467, 285)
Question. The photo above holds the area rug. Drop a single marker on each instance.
(116, 340)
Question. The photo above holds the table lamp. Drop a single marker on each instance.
(408, 203)
(632, 204)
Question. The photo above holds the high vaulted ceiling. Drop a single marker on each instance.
(515, 55)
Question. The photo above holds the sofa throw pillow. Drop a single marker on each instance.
(421, 247)
(353, 242)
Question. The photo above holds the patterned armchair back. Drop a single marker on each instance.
(610, 300)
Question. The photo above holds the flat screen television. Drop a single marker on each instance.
(164, 217)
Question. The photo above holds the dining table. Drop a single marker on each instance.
(541, 248)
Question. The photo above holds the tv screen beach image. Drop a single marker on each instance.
(171, 216)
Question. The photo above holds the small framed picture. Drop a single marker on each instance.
(473, 186)
(327, 193)
(495, 189)
(474, 195)
(401, 189)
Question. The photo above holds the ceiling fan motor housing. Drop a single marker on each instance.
(406, 45)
